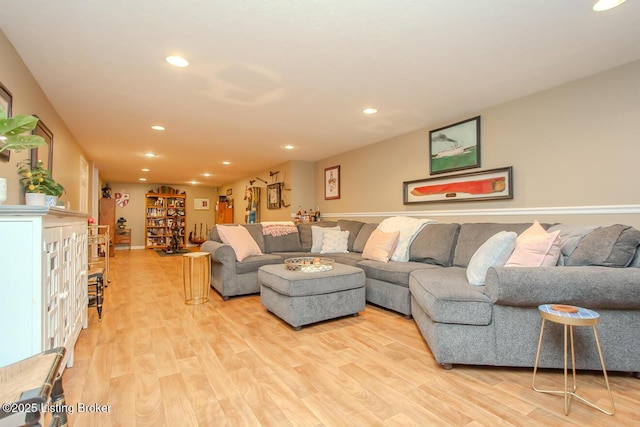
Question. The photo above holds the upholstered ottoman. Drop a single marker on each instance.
(300, 298)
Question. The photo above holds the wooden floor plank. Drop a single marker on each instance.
(158, 361)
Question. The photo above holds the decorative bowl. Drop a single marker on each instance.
(309, 264)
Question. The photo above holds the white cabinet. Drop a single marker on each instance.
(43, 280)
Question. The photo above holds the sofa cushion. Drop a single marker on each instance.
(287, 243)
(253, 263)
(317, 236)
(240, 240)
(446, 296)
(363, 236)
(306, 239)
(570, 236)
(408, 228)
(612, 246)
(435, 244)
(380, 245)
(473, 235)
(535, 248)
(335, 242)
(353, 227)
(492, 253)
(395, 272)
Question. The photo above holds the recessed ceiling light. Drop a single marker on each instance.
(142, 179)
(226, 162)
(149, 155)
(602, 5)
(288, 147)
(206, 174)
(194, 182)
(178, 61)
(157, 127)
(144, 170)
(370, 110)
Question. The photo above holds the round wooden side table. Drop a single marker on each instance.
(196, 277)
(571, 316)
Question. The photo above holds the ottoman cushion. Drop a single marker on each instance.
(297, 284)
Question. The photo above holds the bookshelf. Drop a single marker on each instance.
(165, 219)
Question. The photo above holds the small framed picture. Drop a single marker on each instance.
(201, 204)
(455, 147)
(5, 103)
(229, 191)
(332, 183)
(45, 152)
(273, 196)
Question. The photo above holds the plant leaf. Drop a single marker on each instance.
(16, 125)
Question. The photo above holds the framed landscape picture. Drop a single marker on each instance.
(455, 147)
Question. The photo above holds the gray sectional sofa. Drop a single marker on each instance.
(496, 324)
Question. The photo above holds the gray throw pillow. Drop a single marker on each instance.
(435, 244)
(363, 236)
(612, 246)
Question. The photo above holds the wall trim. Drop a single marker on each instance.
(559, 210)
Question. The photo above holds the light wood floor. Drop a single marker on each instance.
(159, 362)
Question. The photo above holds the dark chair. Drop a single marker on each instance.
(95, 282)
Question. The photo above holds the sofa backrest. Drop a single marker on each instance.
(304, 231)
(353, 227)
(254, 229)
(473, 235)
(435, 244)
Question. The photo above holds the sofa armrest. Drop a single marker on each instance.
(220, 252)
(590, 287)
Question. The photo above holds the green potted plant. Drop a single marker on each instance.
(38, 181)
(13, 132)
(15, 135)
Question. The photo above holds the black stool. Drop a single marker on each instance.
(95, 281)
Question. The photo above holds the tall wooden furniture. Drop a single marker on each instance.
(165, 219)
(225, 211)
(107, 216)
(43, 297)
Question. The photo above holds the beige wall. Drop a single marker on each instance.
(574, 147)
(298, 192)
(135, 211)
(28, 98)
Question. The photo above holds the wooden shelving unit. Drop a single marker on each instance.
(165, 218)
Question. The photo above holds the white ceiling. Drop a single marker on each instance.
(268, 73)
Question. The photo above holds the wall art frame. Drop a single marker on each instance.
(45, 152)
(492, 184)
(6, 103)
(455, 147)
(201, 204)
(274, 196)
(332, 183)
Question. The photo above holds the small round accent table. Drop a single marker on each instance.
(195, 277)
(571, 316)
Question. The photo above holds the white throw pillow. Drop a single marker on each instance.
(335, 242)
(317, 236)
(492, 253)
(239, 239)
(380, 245)
(408, 228)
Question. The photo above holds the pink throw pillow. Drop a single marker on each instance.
(239, 239)
(380, 245)
(536, 248)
